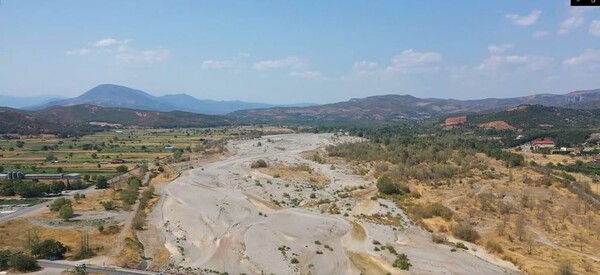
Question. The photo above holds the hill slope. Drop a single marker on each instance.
(537, 116)
(74, 120)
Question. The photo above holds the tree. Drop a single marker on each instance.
(565, 268)
(49, 249)
(57, 187)
(122, 169)
(177, 154)
(1, 168)
(101, 182)
(386, 186)
(77, 184)
(50, 157)
(7, 188)
(520, 225)
(4, 259)
(23, 263)
(20, 144)
(66, 212)
(58, 204)
(30, 189)
(77, 197)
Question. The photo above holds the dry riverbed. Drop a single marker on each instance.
(225, 216)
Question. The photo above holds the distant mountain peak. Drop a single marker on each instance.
(113, 95)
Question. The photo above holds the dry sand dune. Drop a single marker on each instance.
(222, 217)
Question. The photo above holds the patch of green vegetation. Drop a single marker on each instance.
(30, 201)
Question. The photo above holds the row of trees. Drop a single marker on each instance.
(34, 189)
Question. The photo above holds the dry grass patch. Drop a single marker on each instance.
(131, 252)
(388, 219)
(300, 172)
(13, 236)
(91, 202)
(367, 264)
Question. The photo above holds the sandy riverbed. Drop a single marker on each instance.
(221, 216)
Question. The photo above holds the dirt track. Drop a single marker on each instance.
(222, 217)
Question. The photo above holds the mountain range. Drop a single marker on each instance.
(407, 107)
(121, 105)
(377, 108)
(111, 95)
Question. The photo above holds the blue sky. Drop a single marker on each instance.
(299, 51)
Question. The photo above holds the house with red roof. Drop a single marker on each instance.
(543, 143)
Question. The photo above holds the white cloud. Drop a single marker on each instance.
(108, 42)
(540, 34)
(410, 58)
(313, 75)
(218, 64)
(570, 23)
(143, 57)
(291, 62)
(120, 51)
(524, 20)
(529, 62)
(590, 59)
(595, 28)
(500, 48)
(407, 62)
(364, 65)
(79, 52)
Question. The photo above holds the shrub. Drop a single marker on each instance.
(108, 205)
(138, 222)
(461, 246)
(295, 261)
(439, 238)
(431, 210)
(259, 164)
(402, 262)
(465, 231)
(386, 186)
(494, 247)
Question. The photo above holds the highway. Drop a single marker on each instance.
(93, 269)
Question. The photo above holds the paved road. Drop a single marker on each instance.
(92, 268)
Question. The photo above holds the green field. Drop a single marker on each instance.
(21, 201)
(92, 154)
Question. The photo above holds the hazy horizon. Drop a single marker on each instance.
(299, 52)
